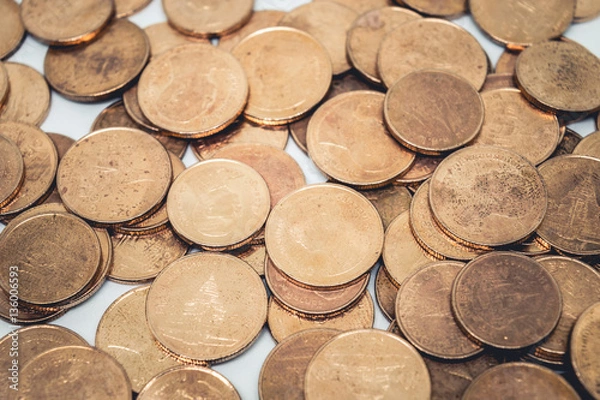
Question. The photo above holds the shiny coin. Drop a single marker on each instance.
(498, 81)
(29, 97)
(589, 146)
(421, 169)
(163, 37)
(11, 28)
(125, 8)
(584, 348)
(446, 9)
(390, 201)
(12, 170)
(385, 293)
(259, 20)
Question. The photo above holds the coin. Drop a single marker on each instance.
(586, 10)
(362, 6)
(356, 363)
(282, 373)
(559, 76)
(259, 20)
(446, 9)
(4, 85)
(206, 18)
(589, 146)
(431, 44)
(96, 70)
(584, 347)
(15, 313)
(421, 169)
(12, 170)
(11, 28)
(390, 201)
(125, 8)
(393, 328)
(299, 74)
(62, 144)
(506, 300)
(324, 235)
(163, 37)
(385, 293)
(132, 106)
(506, 62)
(255, 255)
(519, 380)
(498, 81)
(432, 112)
(283, 323)
(218, 204)
(233, 311)
(573, 214)
(29, 97)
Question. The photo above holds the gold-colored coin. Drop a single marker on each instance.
(586, 10)
(125, 8)
(357, 362)
(385, 293)
(288, 71)
(390, 201)
(255, 255)
(16, 313)
(11, 28)
(163, 37)
(432, 44)
(361, 6)
(96, 70)
(132, 105)
(206, 18)
(421, 169)
(589, 146)
(218, 204)
(259, 20)
(506, 62)
(29, 97)
(12, 170)
(233, 307)
(445, 9)
(4, 85)
(498, 81)
(114, 176)
(62, 144)
(584, 348)
(432, 112)
(324, 235)
(559, 76)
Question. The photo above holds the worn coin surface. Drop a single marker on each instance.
(255, 255)
(421, 169)
(586, 10)
(385, 293)
(390, 201)
(259, 20)
(568, 142)
(11, 27)
(498, 81)
(4, 85)
(506, 62)
(18, 314)
(12, 170)
(132, 105)
(29, 97)
(361, 6)
(125, 8)
(445, 9)
(163, 37)
(589, 146)
(584, 348)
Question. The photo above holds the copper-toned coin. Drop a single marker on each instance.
(573, 215)
(520, 380)
(445, 9)
(259, 20)
(12, 170)
(389, 201)
(506, 300)
(62, 144)
(255, 255)
(518, 24)
(15, 313)
(132, 105)
(218, 204)
(362, 6)
(4, 85)
(506, 62)
(282, 373)
(233, 307)
(421, 169)
(586, 10)
(29, 97)
(532, 246)
(114, 176)
(432, 112)
(498, 81)
(393, 328)
(11, 27)
(299, 74)
(385, 293)
(584, 349)
(189, 382)
(560, 76)
(589, 146)
(96, 70)
(435, 44)
(570, 139)
(349, 142)
(358, 362)
(125, 8)
(207, 18)
(163, 37)
(324, 235)
(283, 323)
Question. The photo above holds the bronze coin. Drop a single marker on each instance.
(114, 176)
(125, 8)
(362, 6)
(586, 10)
(132, 106)
(324, 235)
(446, 9)
(255, 255)
(189, 382)
(506, 62)
(96, 70)
(4, 85)
(573, 214)
(568, 142)
(288, 71)
(584, 348)
(506, 300)
(193, 91)
(29, 97)
(163, 37)
(218, 204)
(283, 323)
(432, 44)
(11, 28)
(385, 293)
(560, 76)
(520, 380)
(518, 24)
(589, 146)
(390, 201)
(358, 362)
(421, 169)
(62, 144)
(498, 81)
(393, 328)
(282, 373)
(206, 18)
(259, 20)
(532, 246)
(221, 303)
(12, 170)
(15, 313)
(432, 112)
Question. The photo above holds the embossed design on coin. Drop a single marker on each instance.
(29, 97)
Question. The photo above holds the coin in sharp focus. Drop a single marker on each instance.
(421, 169)
(163, 37)
(446, 9)
(498, 81)
(519, 24)
(506, 300)
(356, 363)
(259, 20)
(255, 255)
(432, 111)
(385, 293)
(4, 85)
(324, 235)
(125, 8)
(132, 106)
(589, 146)
(283, 323)
(29, 97)
(520, 380)
(218, 204)
(299, 74)
(390, 201)
(12, 170)
(573, 215)
(361, 6)
(560, 76)
(432, 44)
(233, 311)
(584, 348)
(11, 28)
(94, 71)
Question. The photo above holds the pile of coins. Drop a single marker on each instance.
(466, 187)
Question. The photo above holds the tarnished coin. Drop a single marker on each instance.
(559, 76)
(233, 311)
(432, 44)
(206, 18)
(324, 235)
(498, 81)
(361, 6)
(355, 363)
(288, 71)
(390, 201)
(586, 10)
(193, 91)
(573, 215)
(518, 24)
(393, 328)
(255, 255)
(421, 169)
(11, 28)
(589, 146)
(125, 8)
(132, 105)
(385, 293)
(29, 97)
(445, 9)
(506, 62)
(506, 300)
(259, 20)
(570, 139)
(4, 85)
(12, 170)
(114, 176)
(432, 112)
(218, 204)
(96, 70)
(163, 37)
(584, 347)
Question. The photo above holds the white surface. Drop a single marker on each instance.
(74, 119)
